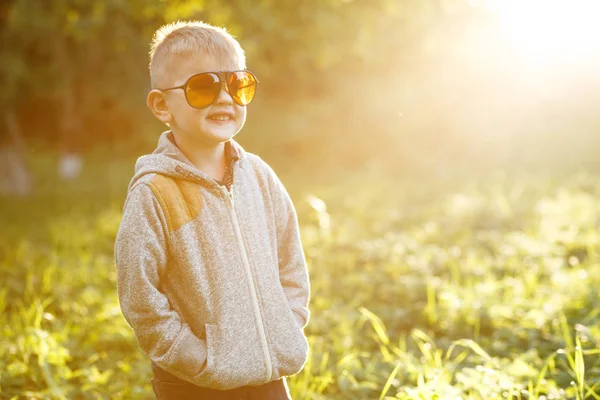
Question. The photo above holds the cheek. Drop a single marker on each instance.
(196, 116)
(241, 113)
(181, 110)
(201, 114)
(177, 103)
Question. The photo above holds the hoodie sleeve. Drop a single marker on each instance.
(293, 272)
(140, 258)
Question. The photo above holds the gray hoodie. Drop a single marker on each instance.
(213, 282)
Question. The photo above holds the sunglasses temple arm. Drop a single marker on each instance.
(172, 88)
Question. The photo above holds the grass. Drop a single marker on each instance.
(462, 288)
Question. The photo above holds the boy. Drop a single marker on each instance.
(211, 272)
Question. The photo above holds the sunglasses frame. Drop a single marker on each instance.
(223, 78)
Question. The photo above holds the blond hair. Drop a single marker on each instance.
(182, 39)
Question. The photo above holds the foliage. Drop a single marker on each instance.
(433, 80)
(76, 71)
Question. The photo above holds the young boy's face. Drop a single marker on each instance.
(214, 124)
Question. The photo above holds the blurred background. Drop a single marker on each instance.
(429, 84)
(442, 155)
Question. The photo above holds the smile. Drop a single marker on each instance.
(220, 118)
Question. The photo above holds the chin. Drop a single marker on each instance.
(219, 137)
(224, 134)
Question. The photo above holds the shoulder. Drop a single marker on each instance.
(161, 186)
(178, 200)
(267, 175)
(278, 193)
(260, 166)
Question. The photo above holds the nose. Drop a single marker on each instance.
(224, 97)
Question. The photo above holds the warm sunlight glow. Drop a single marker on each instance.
(551, 31)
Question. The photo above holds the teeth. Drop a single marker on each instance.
(220, 117)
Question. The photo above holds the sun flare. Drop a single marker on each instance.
(551, 31)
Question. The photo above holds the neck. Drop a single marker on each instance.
(208, 158)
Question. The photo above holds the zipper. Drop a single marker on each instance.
(244, 253)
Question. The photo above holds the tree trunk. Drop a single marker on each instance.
(15, 178)
(71, 160)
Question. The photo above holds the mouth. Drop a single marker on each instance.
(220, 117)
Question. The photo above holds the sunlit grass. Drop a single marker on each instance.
(420, 290)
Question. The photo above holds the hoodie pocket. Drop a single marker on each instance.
(233, 359)
(189, 354)
(293, 347)
(209, 353)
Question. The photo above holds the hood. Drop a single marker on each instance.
(168, 159)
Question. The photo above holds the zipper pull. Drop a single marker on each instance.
(230, 193)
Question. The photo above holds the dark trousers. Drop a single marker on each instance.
(169, 387)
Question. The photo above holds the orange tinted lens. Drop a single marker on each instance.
(242, 85)
(201, 90)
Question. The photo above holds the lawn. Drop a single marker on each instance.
(463, 287)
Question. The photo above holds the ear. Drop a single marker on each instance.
(157, 103)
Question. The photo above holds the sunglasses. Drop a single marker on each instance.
(201, 90)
